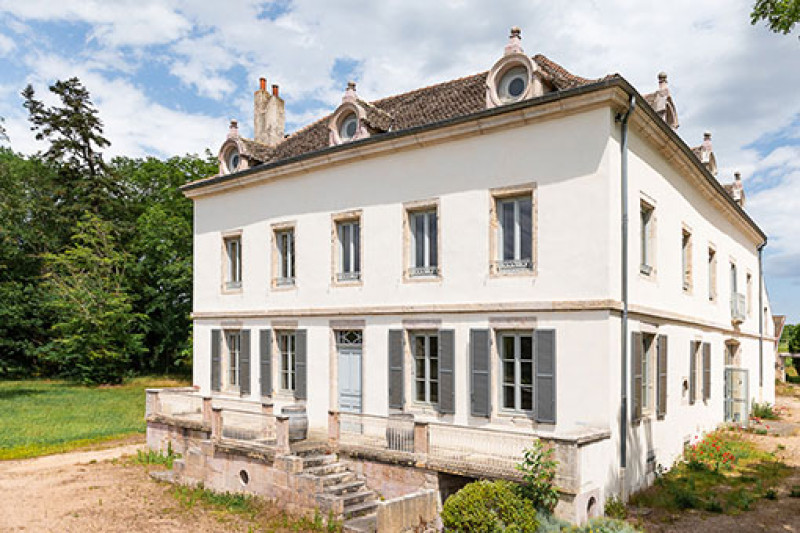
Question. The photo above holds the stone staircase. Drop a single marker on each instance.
(343, 494)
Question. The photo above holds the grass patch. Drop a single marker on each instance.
(763, 410)
(714, 486)
(41, 417)
(152, 457)
(262, 515)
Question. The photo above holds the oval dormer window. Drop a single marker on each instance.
(232, 161)
(348, 127)
(513, 84)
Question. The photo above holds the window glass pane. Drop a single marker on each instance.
(508, 398)
(507, 222)
(434, 366)
(526, 399)
(433, 238)
(526, 347)
(420, 390)
(345, 247)
(525, 227)
(434, 392)
(420, 367)
(419, 240)
(356, 247)
(526, 369)
(433, 343)
(508, 372)
(508, 347)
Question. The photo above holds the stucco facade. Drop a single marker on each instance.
(560, 149)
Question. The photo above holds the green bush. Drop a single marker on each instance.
(488, 507)
(538, 472)
(615, 508)
(763, 410)
(603, 525)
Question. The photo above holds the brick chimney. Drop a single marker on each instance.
(270, 118)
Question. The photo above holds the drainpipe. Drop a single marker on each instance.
(623, 405)
(761, 320)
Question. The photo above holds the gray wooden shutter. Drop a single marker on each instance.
(396, 382)
(244, 362)
(265, 352)
(480, 401)
(216, 360)
(661, 407)
(300, 366)
(545, 376)
(636, 376)
(692, 371)
(706, 371)
(447, 402)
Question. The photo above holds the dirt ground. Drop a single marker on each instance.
(88, 491)
(779, 515)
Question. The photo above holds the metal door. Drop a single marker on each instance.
(737, 408)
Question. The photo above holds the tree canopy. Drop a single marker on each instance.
(95, 256)
(779, 15)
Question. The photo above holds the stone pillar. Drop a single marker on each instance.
(152, 403)
(333, 430)
(267, 419)
(282, 435)
(267, 408)
(421, 438)
(216, 423)
(207, 413)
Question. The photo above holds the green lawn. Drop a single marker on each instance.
(44, 417)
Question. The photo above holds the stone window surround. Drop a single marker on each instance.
(355, 215)
(501, 193)
(276, 228)
(336, 121)
(408, 209)
(225, 261)
(499, 69)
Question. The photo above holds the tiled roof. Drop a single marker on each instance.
(428, 105)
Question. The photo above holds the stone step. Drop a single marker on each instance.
(353, 498)
(342, 488)
(337, 478)
(310, 461)
(325, 469)
(363, 524)
(360, 509)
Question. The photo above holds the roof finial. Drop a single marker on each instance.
(350, 93)
(737, 176)
(514, 45)
(707, 136)
(662, 80)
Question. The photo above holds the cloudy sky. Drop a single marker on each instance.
(167, 75)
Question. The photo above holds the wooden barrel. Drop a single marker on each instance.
(298, 421)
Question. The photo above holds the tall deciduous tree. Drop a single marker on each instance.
(95, 326)
(780, 15)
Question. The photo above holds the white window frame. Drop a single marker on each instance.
(517, 362)
(647, 221)
(233, 351)
(649, 373)
(517, 262)
(286, 257)
(351, 249)
(232, 261)
(429, 381)
(286, 341)
(428, 265)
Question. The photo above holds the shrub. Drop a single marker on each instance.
(710, 453)
(713, 505)
(152, 457)
(488, 507)
(615, 508)
(771, 494)
(763, 410)
(538, 472)
(795, 492)
(603, 525)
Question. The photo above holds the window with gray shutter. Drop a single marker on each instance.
(300, 366)
(216, 360)
(265, 353)
(480, 404)
(244, 363)
(637, 351)
(692, 371)
(706, 371)
(396, 369)
(545, 376)
(661, 364)
(447, 402)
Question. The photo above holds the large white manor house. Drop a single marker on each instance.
(401, 296)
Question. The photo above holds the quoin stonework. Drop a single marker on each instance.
(401, 296)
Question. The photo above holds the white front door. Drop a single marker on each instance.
(350, 375)
(736, 396)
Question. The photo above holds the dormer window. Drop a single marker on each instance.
(513, 84)
(232, 160)
(348, 127)
(514, 77)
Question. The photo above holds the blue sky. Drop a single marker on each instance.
(168, 75)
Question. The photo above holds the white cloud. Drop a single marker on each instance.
(7, 45)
